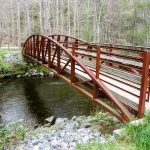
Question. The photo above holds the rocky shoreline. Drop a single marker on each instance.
(65, 134)
(14, 65)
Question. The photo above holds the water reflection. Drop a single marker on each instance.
(35, 99)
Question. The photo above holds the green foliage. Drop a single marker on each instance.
(5, 67)
(2, 54)
(36, 29)
(20, 68)
(135, 137)
(142, 5)
(34, 9)
(137, 37)
(140, 134)
(11, 134)
(106, 146)
(40, 68)
(136, 25)
(87, 31)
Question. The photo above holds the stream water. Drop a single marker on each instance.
(34, 99)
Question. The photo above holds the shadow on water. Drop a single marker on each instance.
(34, 99)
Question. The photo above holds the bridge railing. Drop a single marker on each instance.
(119, 68)
(130, 62)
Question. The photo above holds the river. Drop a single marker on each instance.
(34, 99)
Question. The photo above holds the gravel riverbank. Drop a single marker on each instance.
(64, 134)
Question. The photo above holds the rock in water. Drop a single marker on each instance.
(50, 120)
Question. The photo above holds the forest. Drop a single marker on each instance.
(101, 21)
(65, 84)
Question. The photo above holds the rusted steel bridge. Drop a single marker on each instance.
(116, 77)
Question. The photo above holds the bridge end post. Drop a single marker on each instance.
(144, 84)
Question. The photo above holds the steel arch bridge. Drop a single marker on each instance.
(120, 73)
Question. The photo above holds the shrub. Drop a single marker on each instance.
(40, 68)
(11, 134)
(5, 67)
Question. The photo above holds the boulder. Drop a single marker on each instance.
(61, 120)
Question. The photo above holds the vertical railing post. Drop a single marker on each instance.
(109, 53)
(144, 83)
(28, 47)
(110, 49)
(77, 42)
(66, 42)
(141, 54)
(31, 47)
(98, 62)
(42, 49)
(95, 87)
(58, 38)
(49, 54)
(73, 64)
(58, 59)
(34, 47)
(37, 47)
(53, 39)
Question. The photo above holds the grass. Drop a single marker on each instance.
(5, 68)
(135, 137)
(11, 135)
(20, 68)
(107, 121)
(2, 53)
(140, 134)
(106, 146)
(40, 68)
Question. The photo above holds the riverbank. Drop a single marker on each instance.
(65, 134)
(14, 65)
(77, 134)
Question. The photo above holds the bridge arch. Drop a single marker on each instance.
(57, 55)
